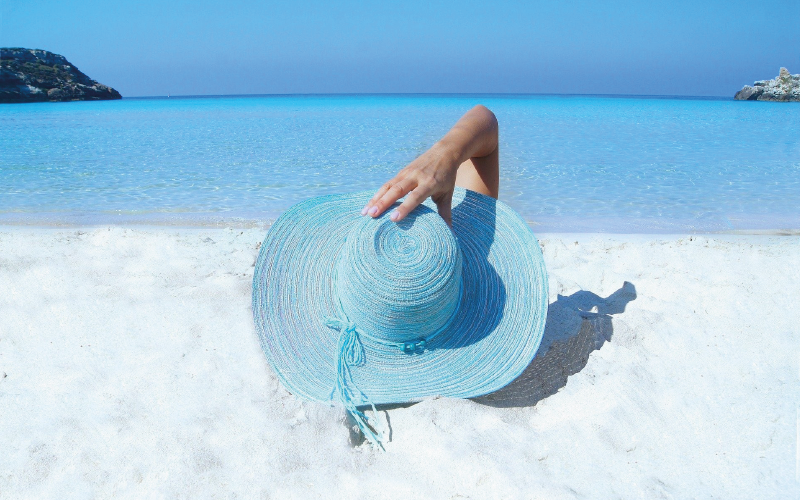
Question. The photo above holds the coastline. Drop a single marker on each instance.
(130, 363)
(771, 224)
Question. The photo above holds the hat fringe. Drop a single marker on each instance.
(351, 353)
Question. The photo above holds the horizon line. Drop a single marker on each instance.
(432, 94)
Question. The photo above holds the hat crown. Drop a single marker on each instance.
(400, 281)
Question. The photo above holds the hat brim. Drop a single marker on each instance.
(494, 334)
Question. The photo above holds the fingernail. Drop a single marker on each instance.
(373, 211)
(364, 210)
(395, 215)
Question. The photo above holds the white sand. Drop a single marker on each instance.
(129, 368)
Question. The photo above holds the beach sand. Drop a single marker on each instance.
(130, 368)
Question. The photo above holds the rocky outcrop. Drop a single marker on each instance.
(31, 75)
(785, 87)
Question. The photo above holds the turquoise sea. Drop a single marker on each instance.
(568, 163)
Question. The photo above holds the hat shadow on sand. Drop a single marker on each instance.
(576, 326)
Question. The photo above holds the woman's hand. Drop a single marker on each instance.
(465, 156)
(432, 174)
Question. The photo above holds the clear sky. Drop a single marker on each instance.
(196, 47)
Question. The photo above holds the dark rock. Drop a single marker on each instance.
(785, 87)
(31, 75)
(749, 93)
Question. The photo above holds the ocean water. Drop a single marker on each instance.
(567, 163)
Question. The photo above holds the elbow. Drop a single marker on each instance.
(487, 117)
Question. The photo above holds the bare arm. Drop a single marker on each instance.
(466, 156)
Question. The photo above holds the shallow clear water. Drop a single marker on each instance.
(567, 163)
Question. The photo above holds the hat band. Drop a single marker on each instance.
(343, 323)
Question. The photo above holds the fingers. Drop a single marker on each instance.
(412, 201)
(444, 204)
(378, 195)
(386, 196)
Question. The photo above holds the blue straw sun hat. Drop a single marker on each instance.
(368, 311)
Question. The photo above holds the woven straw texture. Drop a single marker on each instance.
(485, 290)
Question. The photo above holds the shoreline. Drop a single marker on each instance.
(129, 364)
(780, 226)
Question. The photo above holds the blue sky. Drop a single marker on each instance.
(246, 47)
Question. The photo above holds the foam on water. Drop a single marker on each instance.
(567, 163)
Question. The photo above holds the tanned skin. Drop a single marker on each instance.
(466, 157)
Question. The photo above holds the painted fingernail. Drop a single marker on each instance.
(395, 215)
(364, 210)
(373, 211)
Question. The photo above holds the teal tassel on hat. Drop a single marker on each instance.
(351, 353)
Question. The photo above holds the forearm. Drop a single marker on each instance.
(473, 136)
